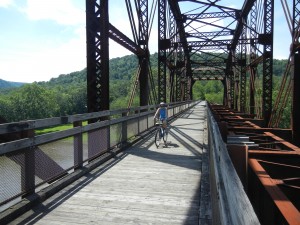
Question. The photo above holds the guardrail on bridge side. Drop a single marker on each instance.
(230, 202)
(30, 163)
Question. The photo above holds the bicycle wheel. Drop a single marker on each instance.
(157, 137)
(165, 136)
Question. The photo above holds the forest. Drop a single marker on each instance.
(66, 94)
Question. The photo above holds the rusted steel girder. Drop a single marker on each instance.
(273, 175)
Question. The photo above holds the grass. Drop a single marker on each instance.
(114, 135)
(56, 128)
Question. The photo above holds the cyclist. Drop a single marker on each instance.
(162, 114)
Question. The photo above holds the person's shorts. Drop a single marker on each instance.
(164, 123)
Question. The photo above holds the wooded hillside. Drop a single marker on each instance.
(66, 94)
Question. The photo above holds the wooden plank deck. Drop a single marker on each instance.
(144, 185)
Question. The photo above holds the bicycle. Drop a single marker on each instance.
(161, 134)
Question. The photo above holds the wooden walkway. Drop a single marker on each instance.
(144, 185)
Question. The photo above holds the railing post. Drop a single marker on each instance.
(138, 111)
(28, 167)
(78, 147)
(124, 129)
(148, 109)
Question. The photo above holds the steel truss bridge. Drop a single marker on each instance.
(205, 40)
(197, 41)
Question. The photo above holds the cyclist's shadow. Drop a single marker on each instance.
(171, 145)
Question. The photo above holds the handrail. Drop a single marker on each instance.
(30, 155)
(233, 205)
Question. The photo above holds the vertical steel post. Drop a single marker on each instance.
(296, 99)
(225, 96)
(231, 81)
(180, 73)
(267, 40)
(253, 69)
(97, 28)
(295, 120)
(144, 59)
(243, 79)
(173, 58)
(162, 42)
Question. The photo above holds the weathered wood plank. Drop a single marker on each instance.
(145, 185)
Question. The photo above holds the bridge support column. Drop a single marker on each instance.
(296, 99)
(143, 80)
(97, 38)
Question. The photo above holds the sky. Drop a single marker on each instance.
(41, 39)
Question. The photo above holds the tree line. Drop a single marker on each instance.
(67, 94)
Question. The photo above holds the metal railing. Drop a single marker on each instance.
(30, 162)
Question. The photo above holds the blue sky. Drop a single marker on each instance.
(41, 39)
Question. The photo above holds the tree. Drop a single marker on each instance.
(32, 101)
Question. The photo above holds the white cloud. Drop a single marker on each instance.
(63, 12)
(48, 57)
(43, 64)
(6, 3)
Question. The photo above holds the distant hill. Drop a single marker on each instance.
(120, 69)
(10, 84)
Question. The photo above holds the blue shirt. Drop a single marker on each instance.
(163, 113)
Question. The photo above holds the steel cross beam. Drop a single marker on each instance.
(124, 41)
(211, 15)
(206, 35)
(248, 4)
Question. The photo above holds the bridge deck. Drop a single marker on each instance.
(143, 185)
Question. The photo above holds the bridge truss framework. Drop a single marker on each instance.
(208, 41)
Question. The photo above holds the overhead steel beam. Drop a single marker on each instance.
(206, 35)
(248, 4)
(212, 15)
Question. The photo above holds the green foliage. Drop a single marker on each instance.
(32, 101)
(211, 91)
(67, 94)
(9, 84)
